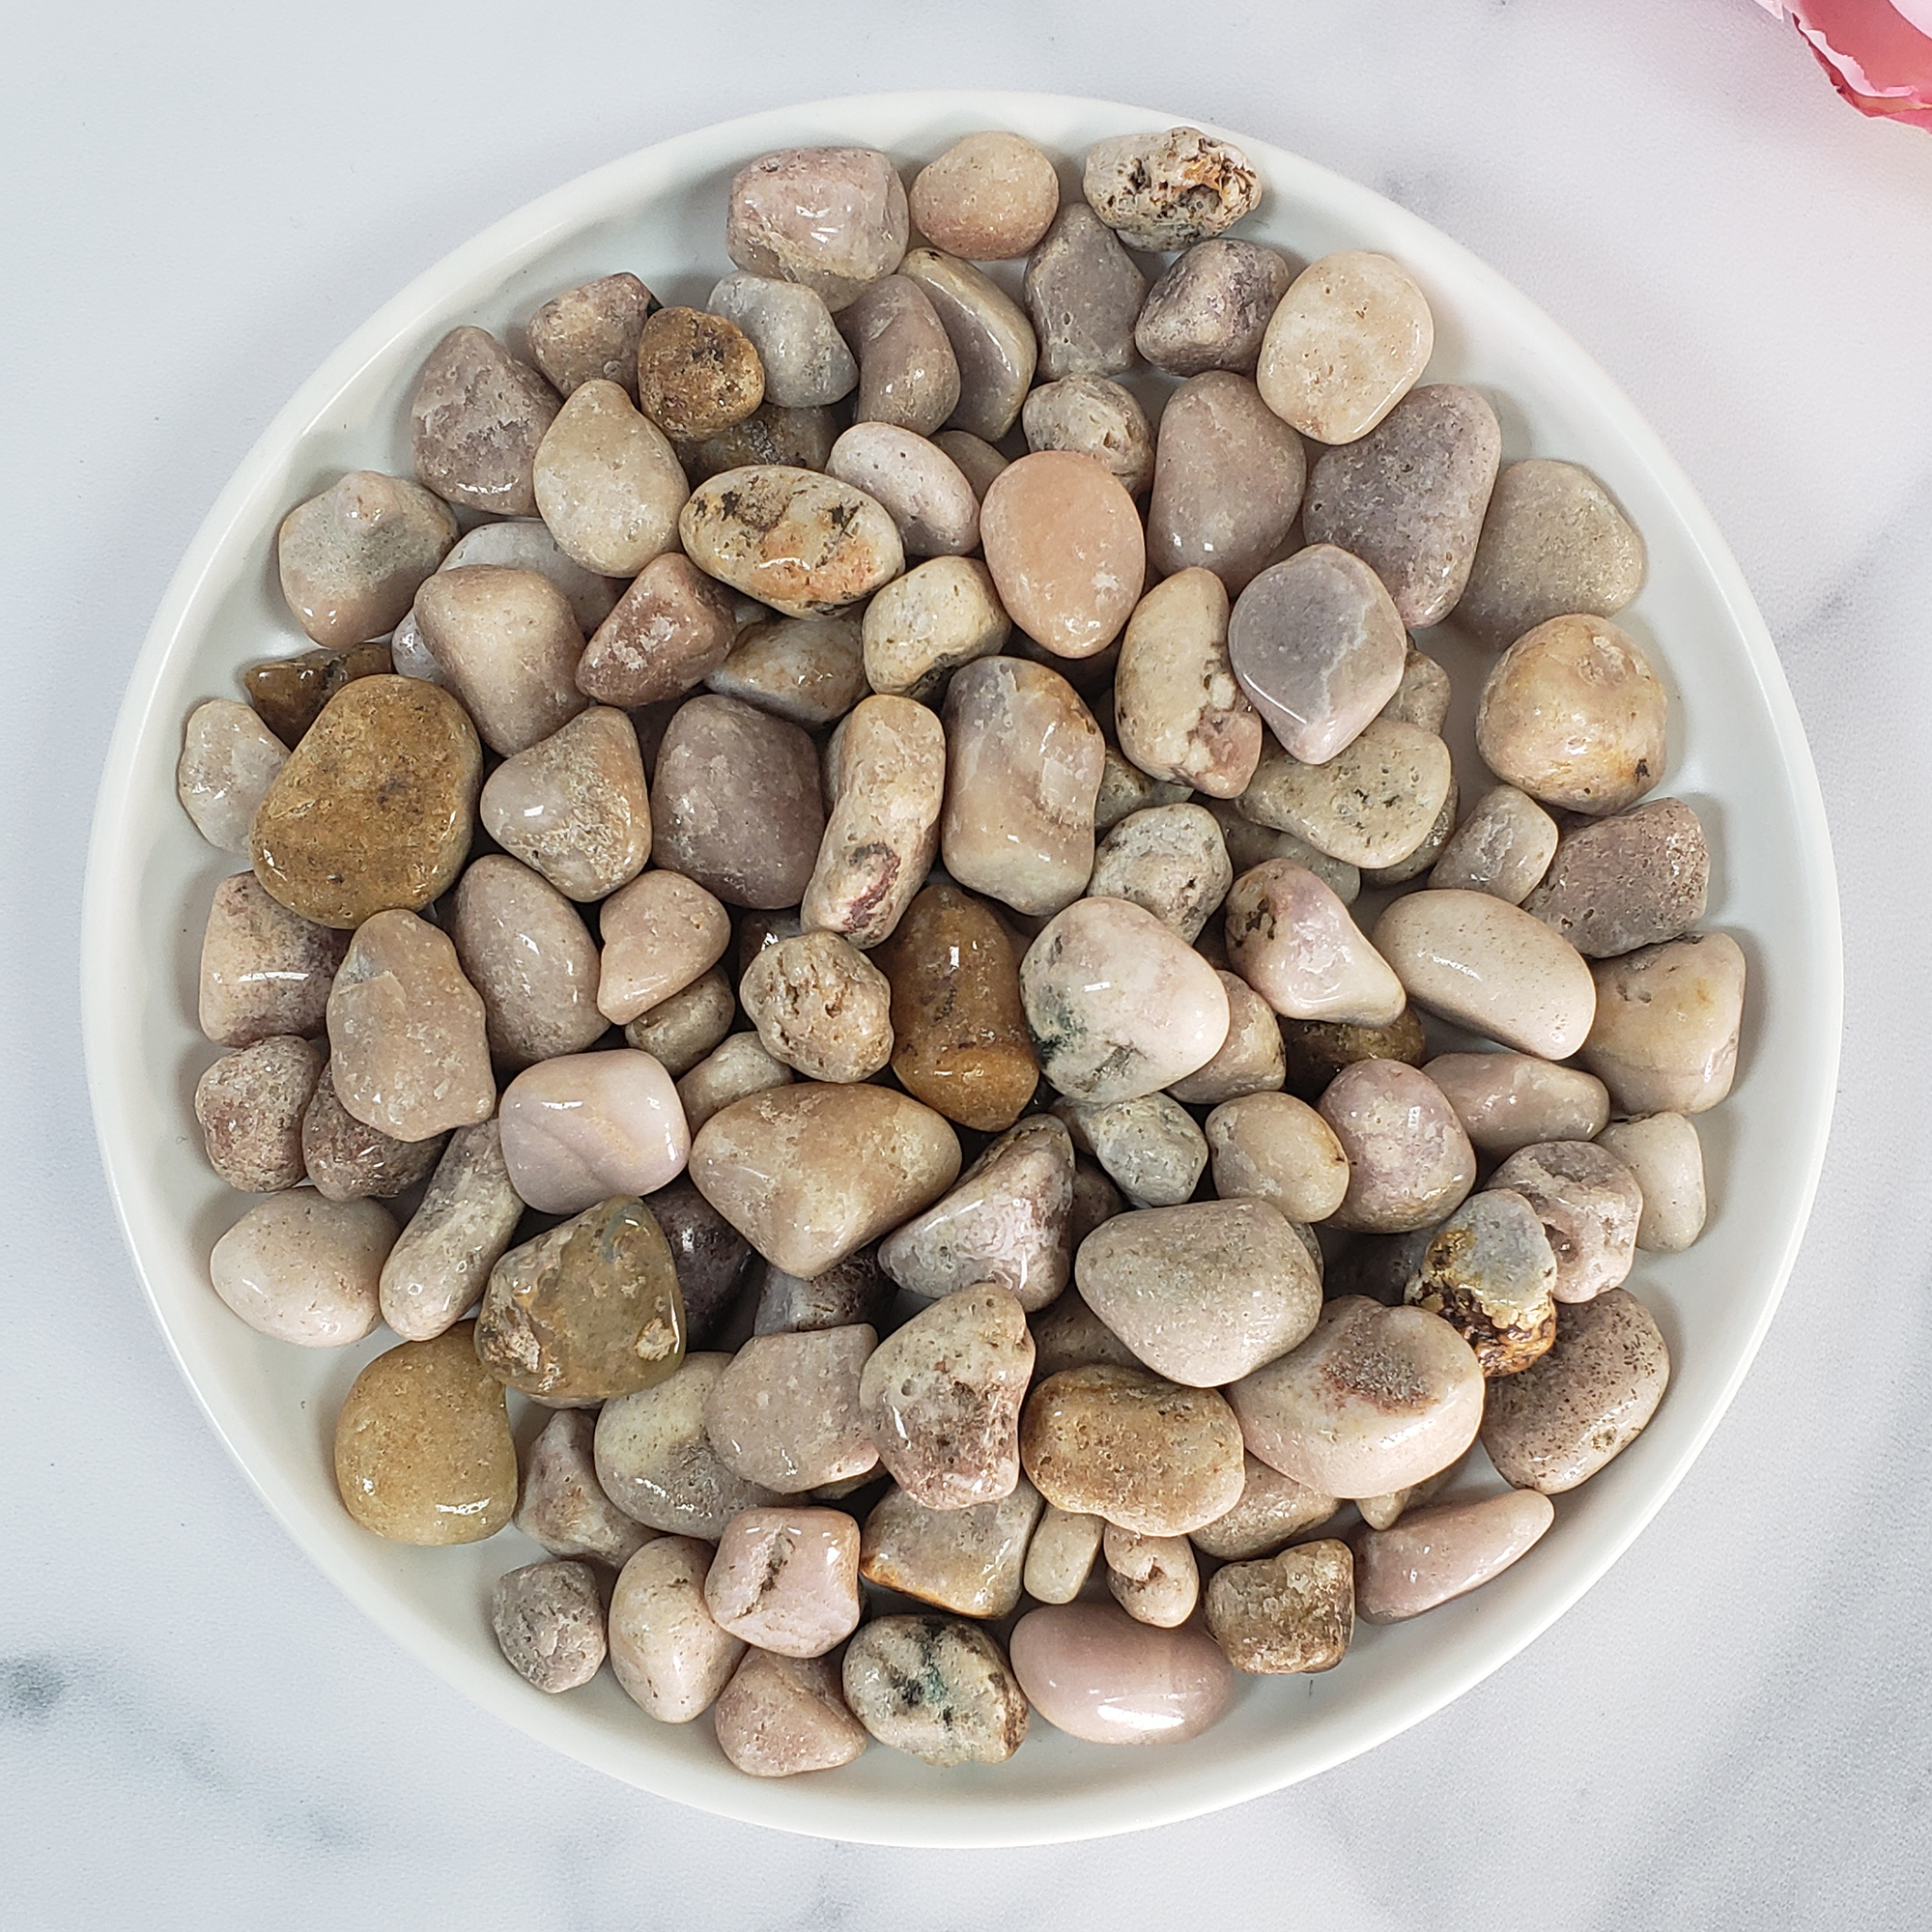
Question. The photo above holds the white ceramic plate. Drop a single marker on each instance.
(1738, 753)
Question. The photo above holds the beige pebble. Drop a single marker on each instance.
(1272, 1508)
(1349, 338)
(667, 1652)
(1489, 966)
(608, 482)
(1422, 697)
(1062, 1554)
(682, 1030)
(987, 198)
(1377, 877)
(1373, 803)
(229, 760)
(532, 961)
(1489, 1271)
(937, 1688)
(476, 417)
(1212, 308)
(1385, 1512)
(968, 1560)
(833, 218)
(1154, 1579)
(1201, 1292)
(574, 806)
(1663, 1152)
(1227, 481)
(1084, 292)
(923, 490)
(587, 1125)
(804, 360)
(548, 1619)
(441, 1264)
(908, 375)
(298, 1269)
(808, 670)
(1064, 545)
(978, 460)
(939, 614)
(1560, 1421)
(660, 932)
(1069, 1335)
(1251, 1058)
(1023, 768)
(821, 1006)
(249, 1106)
(1375, 1399)
(785, 1412)
(1149, 1144)
(1637, 878)
(508, 643)
(351, 559)
(738, 1067)
(1574, 715)
(697, 374)
(1503, 847)
(1094, 1673)
(408, 1051)
(1293, 941)
(1125, 789)
(1511, 1100)
(347, 1159)
(1666, 1034)
(669, 631)
(1169, 861)
(1128, 1445)
(1444, 1552)
(655, 1461)
(1589, 1204)
(563, 1506)
(786, 1579)
(590, 333)
(1250, 845)
(524, 542)
(1273, 1148)
(992, 340)
(784, 1716)
(1410, 1161)
(1094, 417)
(804, 543)
(1286, 1615)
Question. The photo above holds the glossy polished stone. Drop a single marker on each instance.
(669, 631)
(784, 1716)
(476, 417)
(590, 332)
(660, 933)
(1664, 1038)
(908, 375)
(1273, 1148)
(1444, 1552)
(797, 540)
(833, 218)
(804, 360)
(587, 1125)
(1346, 344)
(1286, 1615)
(786, 1579)
(524, 948)
(1180, 712)
(507, 642)
(992, 340)
(229, 760)
(1094, 1672)
(667, 1653)
(935, 1688)
(1410, 1161)
(608, 481)
(785, 1413)
(350, 560)
(301, 1268)
(1293, 942)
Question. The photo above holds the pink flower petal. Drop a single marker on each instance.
(1870, 46)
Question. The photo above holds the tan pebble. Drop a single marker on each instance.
(475, 420)
(820, 1006)
(1666, 1034)
(608, 481)
(1130, 1446)
(939, 614)
(1171, 860)
(1062, 1554)
(563, 1508)
(1149, 1144)
(969, 1560)
(660, 932)
(1094, 417)
(808, 670)
(1664, 1155)
(441, 1264)
(548, 1619)
(908, 375)
(1293, 941)
(524, 542)
(508, 643)
(655, 1461)
(738, 1067)
(785, 1413)
(1272, 1508)
(1559, 1422)
(1068, 1335)
(987, 198)
(347, 1159)
(526, 949)
(1378, 877)
(833, 218)
(1250, 1061)
(300, 1269)
(574, 806)
(1094, 1673)
(937, 1688)
(1444, 1552)
(992, 340)
(229, 760)
(249, 1106)
(1589, 1204)
(1273, 1148)
(804, 360)
(667, 1653)
(978, 460)
(423, 1452)
(1503, 847)
(1410, 1161)
(784, 1716)
(1064, 545)
(1286, 1615)
(803, 543)
(1347, 341)
(923, 490)
(1422, 697)
(1154, 1579)
(1125, 789)
(1489, 1273)
(787, 1579)
(697, 374)
(590, 333)
(1574, 715)
(669, 631)
(1084, 292)
(1510, 1100)
(350, 560)
(1637, 878)
(794, 438)
(1372, 804)
(680, 1031)
(587, 1125)
(1385, 1512)
(1180, 712)
(1212, 308)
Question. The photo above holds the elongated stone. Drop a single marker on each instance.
(710, 1255)
(1092, 416)
(1289, 1613)
(608, 481)
(1272, 1508)
(935, 1688)
(939, 614)
(739, 1069)
(547, 1620)
(682, 1028)
(348, 1160)
(563, 1506)
(669, 631)
(1664, 1038)
(375, 809)
(351, 559)
(782, 1716)
(1375, 1399)
(785, 1413)
(585, 1126)
(1024, 760)
(508, 642)
(656, 1463)
(959, 1034)
(1635, 879)
(1510, 1100)
(229, 760)
(1409, 497)
(1273, 1148)
(1489, 1273)
(697, 373)
(804, 360)
(1373, 803)
(475, 420)
(441, 1264)
(808, 670)
(992, 340)
(1119, 1005)
(1180, 712)
(968, 1560)
(667, 1653)
(1094, 1673)
(1171, 190)
(908, 375)
(301, 1268)
(660, 932)
(787, 1579)
(1169, 861)
(1251, 1060)
(1062, 1554)
(1148, 1146)
(833, 218)
(1211, 307)
(1503, 847)
(820, 1006)
(249, 1106)
(1084, 294)
(423, 1452)
(1436, 1554)
(1410, 1161)
(1553, 542)
(1589, 1204)
(1346, 344)
(524, 948)
(923, 490)
(1293, 941)
(524, 542)
(574, 806)
(808, 1173)
(590, 333)
(801, 542)
(1664, 1155)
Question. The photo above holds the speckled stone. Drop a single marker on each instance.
(987, 198)
(1095, 417)
(1510, 1100)
(1345, 345)
(1094, 1673)
(1084, 294)
(1664, 1155)
(787, 1579)
(1634, 879)
(349, 1160)
(780, 1716)
(1410, 1161)
(697, 373)
(249, 1106)
(1489, 1271)
(1589, 1204)
(507, 642)
(1154, 1579)
(1293, 941)
(1125, 789)
(590, 333)
(667, 1653)
(1503, 847)
(301, 1268)
(1171, 190)
(682, 1028)
(1286, 1615)
(820, 1006)
(574, 806)
(606, 479)
(1666, 1034)
(794, 438)
(992, 340)
(939, 614)
(441, 1264)
(1371, 803)
(656, 1463)
(548, 1619)
(1169, 861)
(524, 948)
(562, 1507)
(935, 1688)
(1149, 1144)
(475, 419)
(1211, 307)
(1250, 845)
(669, 631)
(804, 360)
(785, 1412)
(851, 1293)
(797, 540)
(1273, 1148)
(1272, 1508)
(969, 1561)
(833, 218)
(351, 559)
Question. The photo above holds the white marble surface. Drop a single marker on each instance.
(1734, 1729)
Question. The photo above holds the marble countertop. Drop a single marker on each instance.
(1733, 1729)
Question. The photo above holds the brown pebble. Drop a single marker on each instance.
(1286, 1615)
(1634, 879)
(798, 439)
(251, 1106)
(475, 419)
(590, 333)
(349, 1160)
(288, 693)
(1318, 1050)
(697, 374)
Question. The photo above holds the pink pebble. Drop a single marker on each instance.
(1094, 1672)
(786, 1579)
(585, 1126)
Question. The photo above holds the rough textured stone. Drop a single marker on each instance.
(1664, 1038)
(797, 540)
(1211, 307)
(1345, 345)
(1503, 847)
(937, 1688)
(1273, 1148)
(1062, 1554)
(1084, 294)
(1169, 861)
(1250, 845)
(669, 631)
(439, 1267)
(548, 1619)
(1293, 941)
(1489, 1273)
(1286, 1615)
(820, 1006)
(301, 1268)
(526, 951)
(1635, 879)
(793, 438)
(1410, 1161)
(1589, 1204)
(1171, 190)
(349, 1160)
(833, 218)
(1373, 803)
(1095, 417)
(667, 1653)
(249, 1106)
(606, 479)
(1149, 1144)
(656, 1463)
(697, 374)
(475, 420)
(507, 642)
(351, 559)
(1154, 1579)
(987, 198)
(585, 1126)
(590, 333)
(1272, 1508)
(850, 1292)
(574, 806)
(1094, 1673)
(563, 1508)
(783, 1716)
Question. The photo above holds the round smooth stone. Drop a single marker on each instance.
(1491, 967)
(1663, 1152)
(532, 961)
(1094, 1673)
(562, 1507)
(1375, 1400)
(1345, 346)
(1409, 497)
(782, 1716)
(1228, 480)
(1373, 804)
(935, 1688)
(1666, 1034)
(1133, 1447)
(1272, 1508)
(1154, 1579)
(908, 375)
(1084, 292)
(351, 559)
(1410, 1161)
(667, 1653)
(507, 644)
(808, 1173)
(683, 1029)
(833, 218)
(1553, 543)
(804, 360)
(987, 198)
(608, 482)
(1635, 879)
(1171, 860)
(923, 490)
(808, 670)
(939, 614)
(969, 1560)
(423, 1452)
(669, 631)
(1286, 1615)
(821, 1006)
(590, 331)
(1573, 714)
(249, 1106)
(1566, 1416)
(785, 1413)
(1093, 417)
(547, 1620)
(739, 1068)
(588, 1125)
(574, 806)
(1489, 1271)
(441, 1263)
(1273, 1148)
(524, 542)
(1201, 1293)
(1436, 1554)
(804, 543)
(1171, 190)
(1211, 307)
(289, 693)
(697, 374)
(992, 341)
(786, 1579)
(475, 420)
(1589, 1204)
(655, 1461)
(229, 760)
(301, 1268)
(1149, 1146)
(1117, 1003)
(1503, 847)
(374, 807)
(1251, 1060)
(1511, 1100)
(1064, 545)
(661, 932)
(1293, 941)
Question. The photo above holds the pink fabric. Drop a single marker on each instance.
(1877, 52)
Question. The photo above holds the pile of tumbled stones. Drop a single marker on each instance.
(929, 761)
